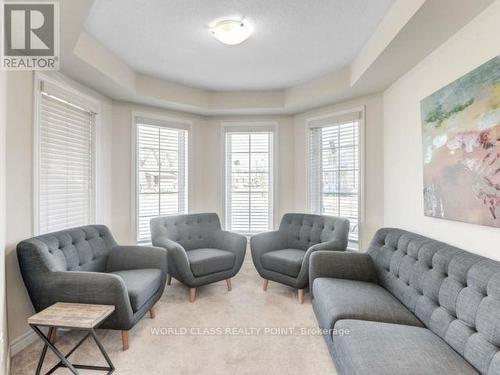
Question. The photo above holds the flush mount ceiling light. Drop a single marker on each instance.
(231, 32)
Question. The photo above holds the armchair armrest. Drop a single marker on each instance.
(233, 242)
(333, 245)
(341, 265)
(264, 242)
(123, 258)
(177, 259)
(87, 287)
(230, 241)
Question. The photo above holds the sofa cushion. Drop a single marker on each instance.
(393, 349)
(207, 261)
(336, 299)
(286, 261)
(141, 285)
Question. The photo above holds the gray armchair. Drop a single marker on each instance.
(199, 252)
(85, 265)
(283, 255)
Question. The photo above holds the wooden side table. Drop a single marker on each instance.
(84, 317)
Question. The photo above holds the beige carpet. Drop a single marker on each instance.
(246, 350)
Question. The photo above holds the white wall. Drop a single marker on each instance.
(4, 358)
(19, 190)
(374, 161)
(475, 44)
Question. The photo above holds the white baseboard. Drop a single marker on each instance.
(22, 342)
(29, 337)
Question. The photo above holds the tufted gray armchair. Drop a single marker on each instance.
(199, 252)
(85, 265)
(283, 255)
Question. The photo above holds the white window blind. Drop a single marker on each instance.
(249, 181)
(162, 174)
(334, 172)
(65, 153)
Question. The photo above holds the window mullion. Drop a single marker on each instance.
(250, 182)
(320, 173)
(338, 171)
(159, 171)
(270, 178)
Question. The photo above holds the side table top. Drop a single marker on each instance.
(72, 315)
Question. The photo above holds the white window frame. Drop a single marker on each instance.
(326, 120)
(169, 123)
(244, 127)
(89, 103)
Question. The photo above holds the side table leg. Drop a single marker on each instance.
(101, 348)
(56, 351)
(44, 353)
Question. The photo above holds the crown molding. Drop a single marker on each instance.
(407, 34)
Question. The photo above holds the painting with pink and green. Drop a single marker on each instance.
(461, 148)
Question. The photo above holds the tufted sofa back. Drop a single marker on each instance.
(304, 230)
(456, 294)
(191, 231)
(77, 249)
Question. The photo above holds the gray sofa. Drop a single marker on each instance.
(283, 255)
(199, 252)
(85, 265)
(410, 305)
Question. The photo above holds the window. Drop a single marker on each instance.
(334, 167)
(249, 180)
(162, 173)
(64, 149)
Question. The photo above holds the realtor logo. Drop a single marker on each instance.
(30, 36)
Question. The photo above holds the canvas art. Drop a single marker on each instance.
(461, 148)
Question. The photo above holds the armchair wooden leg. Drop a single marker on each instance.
(152, 312)
(264, 286)
(228, 282)
(192, 294)
(169, 279)
(301, 296)
(125, 340)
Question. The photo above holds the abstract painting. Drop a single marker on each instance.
(461, 148)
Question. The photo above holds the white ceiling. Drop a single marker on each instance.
(293, 41)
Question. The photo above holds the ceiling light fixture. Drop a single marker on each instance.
(231, 32)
